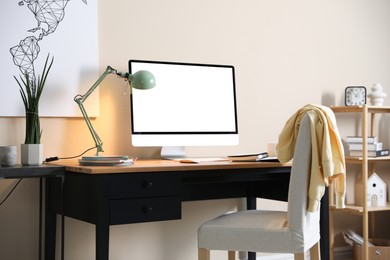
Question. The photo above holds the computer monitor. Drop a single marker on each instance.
(191, 105)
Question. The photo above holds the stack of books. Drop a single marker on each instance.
(354, 147)
(114, 160)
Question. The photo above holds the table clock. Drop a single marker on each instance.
(355, 96)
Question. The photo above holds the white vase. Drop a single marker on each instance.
(31, 154)
(377, 95)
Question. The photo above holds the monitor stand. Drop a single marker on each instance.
(173, 152)
(177, 153)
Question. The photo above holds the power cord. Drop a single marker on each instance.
(11, 191)
(50, 159)
(56, 158)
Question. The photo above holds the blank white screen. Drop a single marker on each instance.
(188, 98)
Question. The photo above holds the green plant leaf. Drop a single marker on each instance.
(31, 92)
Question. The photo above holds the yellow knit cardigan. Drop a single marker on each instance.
(328, 161)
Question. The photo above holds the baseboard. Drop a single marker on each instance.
(344, 252)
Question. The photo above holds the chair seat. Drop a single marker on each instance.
(252, 230)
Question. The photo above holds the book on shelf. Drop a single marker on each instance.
(359, 146)
(359, 153)
(251, 157)
(359, 139)
(112, 160)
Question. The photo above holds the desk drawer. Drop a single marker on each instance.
(145, 210)
(144, 185)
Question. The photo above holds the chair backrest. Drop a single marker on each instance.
(304, 224)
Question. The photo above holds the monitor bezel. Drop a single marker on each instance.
(189, 133)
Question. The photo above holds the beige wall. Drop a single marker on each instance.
(286, 54)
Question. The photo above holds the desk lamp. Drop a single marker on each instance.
(142, 79)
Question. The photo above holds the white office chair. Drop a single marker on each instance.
(295, 231)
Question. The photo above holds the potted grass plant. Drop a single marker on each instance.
(31, 89)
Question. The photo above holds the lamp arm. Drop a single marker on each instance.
(79, 99)
(143, 79)
(108, 70)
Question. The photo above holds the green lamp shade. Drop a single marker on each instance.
(142, 79)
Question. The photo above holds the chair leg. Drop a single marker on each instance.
(315, 252)
(232, 255)
(300, 256)
(203, 254)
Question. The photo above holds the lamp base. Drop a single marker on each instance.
(105, 157)
(111, 160)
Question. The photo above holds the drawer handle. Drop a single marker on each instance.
(148, 184)
(148, 210)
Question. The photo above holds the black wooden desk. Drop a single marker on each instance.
(153, 191)
(43, 171)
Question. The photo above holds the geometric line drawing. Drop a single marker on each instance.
(48, 14)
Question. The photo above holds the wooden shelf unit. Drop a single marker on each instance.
(368, 116)
(358, 210)
(359, 160)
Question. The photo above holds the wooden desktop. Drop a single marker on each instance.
(153, 190)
